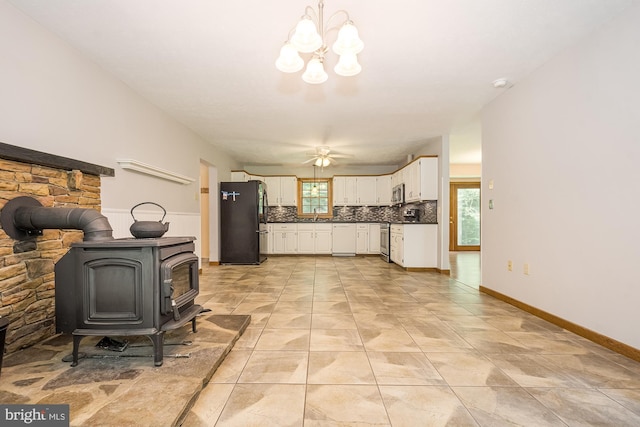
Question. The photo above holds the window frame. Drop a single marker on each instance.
(329, 182)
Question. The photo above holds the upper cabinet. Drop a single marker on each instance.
(383, 190)
(345, 191)
(242, 176)
(366, 190)
(420, 179)
(282, 190)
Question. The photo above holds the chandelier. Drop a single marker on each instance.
(309, 37)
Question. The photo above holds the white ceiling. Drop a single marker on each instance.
(427, 66)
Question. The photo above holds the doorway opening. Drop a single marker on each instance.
(464, 216)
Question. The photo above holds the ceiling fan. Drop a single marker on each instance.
(322, 157)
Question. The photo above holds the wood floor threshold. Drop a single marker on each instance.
(603, 340)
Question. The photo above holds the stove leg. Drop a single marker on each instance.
(193, 325)
(76, 347)
(158, 341)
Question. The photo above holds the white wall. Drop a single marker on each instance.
(52, 99)
(562, 149)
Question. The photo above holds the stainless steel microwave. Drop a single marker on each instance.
(397, 195)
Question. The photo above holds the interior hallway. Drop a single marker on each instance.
(356, 341)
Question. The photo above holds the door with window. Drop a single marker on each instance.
(464, 222)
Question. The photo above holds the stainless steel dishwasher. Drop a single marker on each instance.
(344, 239)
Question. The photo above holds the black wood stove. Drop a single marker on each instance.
(113, 287)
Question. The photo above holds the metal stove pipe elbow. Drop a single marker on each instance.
(23, 217)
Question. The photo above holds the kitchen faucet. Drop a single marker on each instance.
(315, 214)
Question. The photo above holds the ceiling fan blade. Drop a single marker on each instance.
(309, 161)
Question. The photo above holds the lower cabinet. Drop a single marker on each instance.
(368, 238)
(285, 238)
(414, 245)
(314, 238)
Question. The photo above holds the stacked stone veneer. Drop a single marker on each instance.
(27, 284)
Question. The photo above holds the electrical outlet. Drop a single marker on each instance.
(510, 265)
(526, 269)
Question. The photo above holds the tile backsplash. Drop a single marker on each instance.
(427, 212)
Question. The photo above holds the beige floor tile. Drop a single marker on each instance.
(333, 321)
(388, 340)
(289, 321)
(335, 340)
(230, 370)
(283, 339)
(339, 368)
(586, 407)
(344, 405)
(469, 369)
(494, 406)
(413, 406)
(208, 407)
(264, 405)
(276, 367)
(404, 369)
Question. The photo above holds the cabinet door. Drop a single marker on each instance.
(429, 178)
(291, 242)
(374, 238)
(289, 190)
(306, 239)
(351, 190)
(278, 242)
(339, 197)
(362, 239)
(412, 182)
(273, 190)
(366, 190)
(383, 190)
(323, 241)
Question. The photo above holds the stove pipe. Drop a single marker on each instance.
(24, 217)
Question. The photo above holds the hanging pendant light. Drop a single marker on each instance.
(314, 188)
(309, 37)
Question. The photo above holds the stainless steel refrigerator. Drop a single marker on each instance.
(243, 206)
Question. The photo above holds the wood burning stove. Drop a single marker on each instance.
(113, 287)
(127, 287)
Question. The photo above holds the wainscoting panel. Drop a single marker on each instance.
(180, 223)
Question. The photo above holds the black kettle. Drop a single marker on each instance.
(148, 229)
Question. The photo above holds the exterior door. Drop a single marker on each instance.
(464, 222)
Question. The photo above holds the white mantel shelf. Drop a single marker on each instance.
(131, 164)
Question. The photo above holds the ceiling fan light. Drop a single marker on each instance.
(347, 65)
(348, 40)
(289, 60)
(315, 74)
(306, 38)
(326, 162)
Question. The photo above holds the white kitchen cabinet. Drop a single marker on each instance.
(344, 190)
(366, 191)
(282, 190)
(383, 190)
(285, 238)
(324, 238)
(314, 238)
(362, 238)
(396, 245)
(421, 179)
(367, 238)
(414, 245)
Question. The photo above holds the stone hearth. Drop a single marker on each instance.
(112, 388)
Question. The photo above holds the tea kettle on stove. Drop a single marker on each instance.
(148, 229)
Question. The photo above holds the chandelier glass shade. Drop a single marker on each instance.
(309, 37)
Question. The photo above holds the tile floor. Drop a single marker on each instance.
(354, 341)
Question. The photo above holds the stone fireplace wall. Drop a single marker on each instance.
(27, 285)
